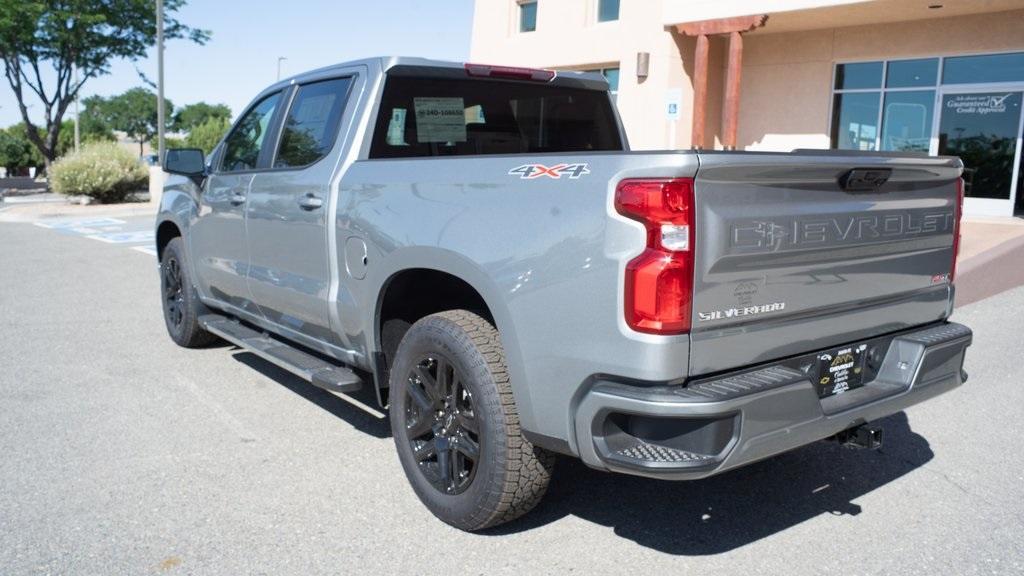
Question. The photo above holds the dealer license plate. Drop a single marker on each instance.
(841, 369)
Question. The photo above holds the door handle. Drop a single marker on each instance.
(310, 202)
(237, 199)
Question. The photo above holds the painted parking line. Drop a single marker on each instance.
(125, 237)
(68, 224)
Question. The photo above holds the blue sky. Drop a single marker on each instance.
(249, 35)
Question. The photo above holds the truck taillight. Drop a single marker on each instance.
(956, 226)
(659, 282)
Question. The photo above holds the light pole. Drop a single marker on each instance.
(279, 60)
(77, 133)
(160, 81)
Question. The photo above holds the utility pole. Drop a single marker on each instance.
(279, 60)
(78, 139)
(160, 81)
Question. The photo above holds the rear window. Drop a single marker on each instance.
(449, 117)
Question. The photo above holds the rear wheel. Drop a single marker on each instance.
(181, 303)
(456, 427)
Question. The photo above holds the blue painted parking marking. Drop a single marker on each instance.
(107, 230)
(125, 237)
(67, 224)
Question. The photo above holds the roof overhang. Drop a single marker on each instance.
(794, 15)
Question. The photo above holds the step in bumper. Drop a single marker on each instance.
(712, 425)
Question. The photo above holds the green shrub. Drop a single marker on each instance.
(102, 170)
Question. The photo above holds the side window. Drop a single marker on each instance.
(242, 147)
(312, 122)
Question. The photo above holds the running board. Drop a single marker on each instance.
(315, 370)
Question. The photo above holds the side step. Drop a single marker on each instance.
(319, 372)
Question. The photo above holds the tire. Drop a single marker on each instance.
(180, 302)
(509, 475)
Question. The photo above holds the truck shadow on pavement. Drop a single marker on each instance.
(726, 512)
(359, 418)
(695, 518)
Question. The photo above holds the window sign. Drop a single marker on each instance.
(396, 128)
(440, 119)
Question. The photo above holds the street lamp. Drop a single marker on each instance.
(160, 81)
(279, 60)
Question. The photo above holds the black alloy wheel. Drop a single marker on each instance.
(181, 305)
(174, 293)
(441, 425)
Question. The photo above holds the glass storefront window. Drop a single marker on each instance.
(907, 120)
(855, 121)
(983, 68)
(981, 128)
(912, 73)
(858, 75)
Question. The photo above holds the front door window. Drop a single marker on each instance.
(982, 129)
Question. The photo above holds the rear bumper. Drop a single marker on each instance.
(716, 424)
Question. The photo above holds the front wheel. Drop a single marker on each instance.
(456, 427)
(181, 304)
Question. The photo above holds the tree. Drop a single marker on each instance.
(208, 134)
(91, 123)
(89, 130)
(194, 115)
(64, 34)
(16, 152)
(133, 112)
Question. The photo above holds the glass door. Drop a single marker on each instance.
(982, 125)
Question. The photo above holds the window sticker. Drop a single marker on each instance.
(396, 128)
(475, 115)
(440, 119)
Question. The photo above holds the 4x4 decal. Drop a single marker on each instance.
(531, 171)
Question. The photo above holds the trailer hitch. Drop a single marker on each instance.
(861, 436)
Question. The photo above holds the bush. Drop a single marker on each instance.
(101, 170)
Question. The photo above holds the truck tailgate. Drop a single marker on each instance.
(794, 254)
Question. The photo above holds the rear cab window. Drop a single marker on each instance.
(427, 116)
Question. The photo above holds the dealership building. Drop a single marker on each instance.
(935, 76)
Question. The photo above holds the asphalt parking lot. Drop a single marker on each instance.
(123, 454)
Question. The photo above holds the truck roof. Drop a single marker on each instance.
(591, 80)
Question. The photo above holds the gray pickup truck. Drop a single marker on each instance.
(478, 246)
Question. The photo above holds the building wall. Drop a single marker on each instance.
(568, 36)
(786, 80)
(786, 91)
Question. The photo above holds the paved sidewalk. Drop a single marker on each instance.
(41, 211)
(981, 235)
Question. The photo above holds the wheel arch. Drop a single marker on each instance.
(166, 231)
(473, 287)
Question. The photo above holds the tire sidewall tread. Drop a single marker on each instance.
(512, 475)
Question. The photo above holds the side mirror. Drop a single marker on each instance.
(186, 162)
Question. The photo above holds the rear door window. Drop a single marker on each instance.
(312, 122)
(451, 117)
